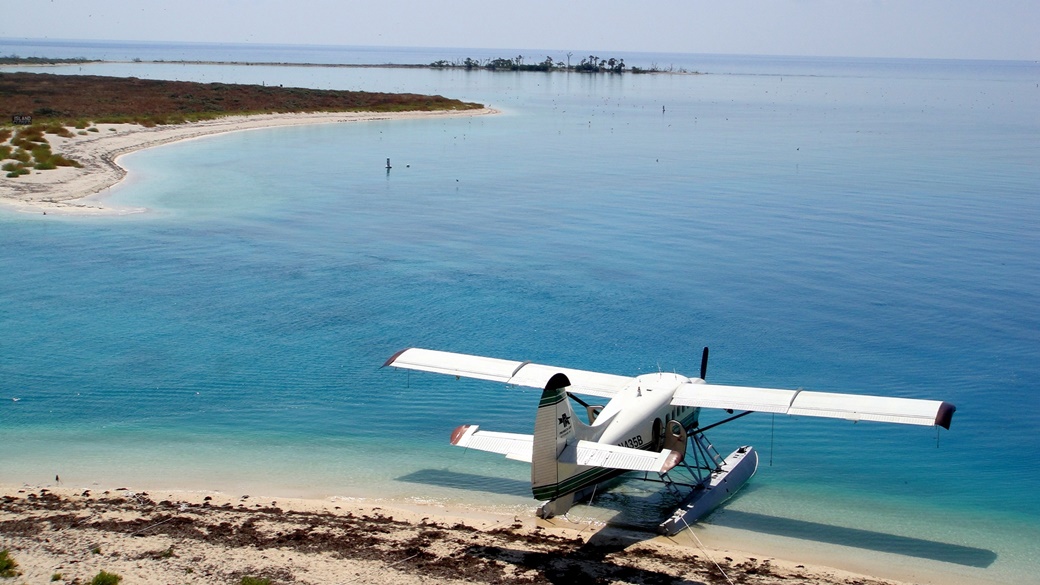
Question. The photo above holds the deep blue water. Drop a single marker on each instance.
(859, 226)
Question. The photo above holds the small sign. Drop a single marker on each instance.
(23, 119)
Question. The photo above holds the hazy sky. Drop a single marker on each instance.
(960, 29)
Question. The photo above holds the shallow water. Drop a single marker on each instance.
(848, 226)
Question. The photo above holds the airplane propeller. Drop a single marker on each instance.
(704, 362)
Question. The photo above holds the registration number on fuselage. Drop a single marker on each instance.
(633, 443)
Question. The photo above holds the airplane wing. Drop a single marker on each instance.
(512, 445)
(854, 407)
(588, 453)
(506, 371)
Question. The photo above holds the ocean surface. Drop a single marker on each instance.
(848, 225)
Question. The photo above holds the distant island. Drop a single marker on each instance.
(16, 60)
(45, 103)
(588, 64)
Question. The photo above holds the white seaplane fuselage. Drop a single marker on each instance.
(629, 419)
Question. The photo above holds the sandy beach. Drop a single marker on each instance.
(70, 190)
(62, 534)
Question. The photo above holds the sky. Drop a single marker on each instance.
(940, 29)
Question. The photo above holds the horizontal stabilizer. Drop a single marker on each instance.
(854, 407)
(616, 457)
(506, 371)
(512, 445)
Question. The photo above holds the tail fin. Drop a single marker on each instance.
(556, 435)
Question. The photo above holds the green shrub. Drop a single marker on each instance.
(56, 577)
(254, 581)
(58, 130)
(8, 566)
(103, 578)
(5, 151)
(14, 170)
(41, 151)
(25, 137)
(61, 161)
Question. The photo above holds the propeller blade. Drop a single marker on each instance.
(704, 363)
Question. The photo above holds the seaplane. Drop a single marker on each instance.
(650, 424)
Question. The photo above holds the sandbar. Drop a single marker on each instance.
(69, 190)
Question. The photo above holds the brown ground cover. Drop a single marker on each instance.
(70, 98)
(171, 541)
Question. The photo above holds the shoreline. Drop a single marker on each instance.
(79, 191)
(212, 537)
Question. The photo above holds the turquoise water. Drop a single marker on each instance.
(860, 226)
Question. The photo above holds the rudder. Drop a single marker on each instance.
(556, 434)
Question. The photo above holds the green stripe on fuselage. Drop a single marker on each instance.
(578, 482)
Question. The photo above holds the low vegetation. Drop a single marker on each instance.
(104, 578)
(8, 566)
(56, 102)
(74, 99)
(26, 148)
(16, 60)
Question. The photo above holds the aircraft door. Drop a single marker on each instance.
(658, 435)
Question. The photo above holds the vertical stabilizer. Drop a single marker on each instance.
(556, 435)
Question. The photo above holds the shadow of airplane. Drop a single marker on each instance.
(590, 562)
(858, 538)
(468, 481)
(635, 511)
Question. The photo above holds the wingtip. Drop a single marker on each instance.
(394, 357)
(944, 417)
(671, 460)
(458, 433)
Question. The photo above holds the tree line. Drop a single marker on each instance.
(590, 64)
